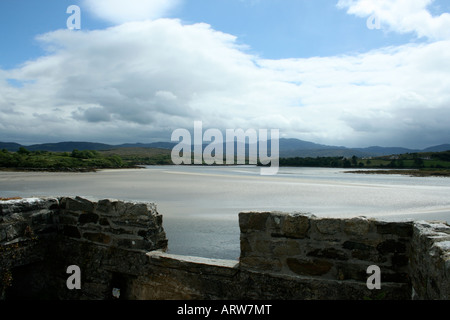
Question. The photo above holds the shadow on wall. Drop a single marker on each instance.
(120, 250)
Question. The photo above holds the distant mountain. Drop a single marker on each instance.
(439, 148)
(159, 145)
(68, 146)
(10, 146)
(386, 151)
(287, 148)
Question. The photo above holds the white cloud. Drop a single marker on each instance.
(139, 81)
(403, 16)
(119, 11)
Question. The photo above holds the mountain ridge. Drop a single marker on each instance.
(288, 147)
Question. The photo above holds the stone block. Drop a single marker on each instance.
(253, 221)
(71, 231)
(401, 229)
(356, 226)
(88, 217)
(137, 209)
(391, 246)
(78, 204)
(287, 248)
(328, 226)
(328, 253)
(352, 245)
(295, 226)
(65, 218)
(109, 207)
(261, 263)
(97, 237)
(316, 267)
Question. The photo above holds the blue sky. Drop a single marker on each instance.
(311, 68)
(272, 29)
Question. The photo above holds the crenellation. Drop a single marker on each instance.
(283, 255)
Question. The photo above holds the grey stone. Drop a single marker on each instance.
(295, 226)
(328, 226)
(357, 226)
(253, 221)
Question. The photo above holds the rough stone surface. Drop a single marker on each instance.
(103, 238)
(343, 249)
(120, 245)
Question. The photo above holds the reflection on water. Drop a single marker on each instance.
(201, 204)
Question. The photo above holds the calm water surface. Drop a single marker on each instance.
(200, 205)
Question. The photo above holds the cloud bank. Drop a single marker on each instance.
(402, 16)
(138, 81)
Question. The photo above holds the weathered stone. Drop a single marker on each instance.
(352, 245)
(276, 248)
(253, 221)
(68, 219)
(295, 226)
(351, 271)
(391, 246)
(71, 231)
(245, 246)
(287, 248)
(78, 204)
(103, 221)
(399, 260)
(106, 207)
(11, 233)
(357, 226)
(88, 218)
(361, 254)
(314, 268)
(137, 209)
(328, 226)
(261, 263)
(402, 229)
(135, 223)
(97, 237)
(329, 253)
(3, 235)
(274, 222)
(23, 206)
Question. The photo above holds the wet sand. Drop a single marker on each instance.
(200, 205)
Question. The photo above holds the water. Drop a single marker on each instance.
(200, 205)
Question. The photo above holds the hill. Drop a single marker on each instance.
(287, 148)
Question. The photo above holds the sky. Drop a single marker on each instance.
(352, 73)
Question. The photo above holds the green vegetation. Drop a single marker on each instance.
(415, 164)
(24, 159)
(429, 160)
(141, 156)
(418, 164)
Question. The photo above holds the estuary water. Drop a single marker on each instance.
(200, 205)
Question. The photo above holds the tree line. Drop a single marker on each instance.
(24, 158)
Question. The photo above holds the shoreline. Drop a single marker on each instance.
(65, 169)
(409, 172)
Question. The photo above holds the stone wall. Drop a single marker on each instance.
(121, 246)
(112, 223)
(339, 249)
(107, 239)
(430, 260)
